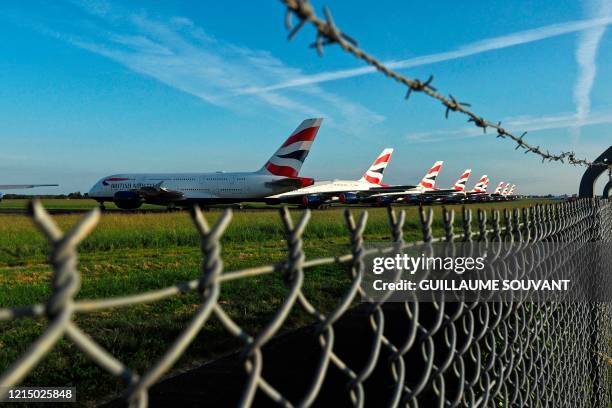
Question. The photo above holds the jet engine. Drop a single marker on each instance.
(384, 200)
(348, 198)
(127, 200)
(312, 201)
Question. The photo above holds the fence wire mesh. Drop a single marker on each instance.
(452, 354)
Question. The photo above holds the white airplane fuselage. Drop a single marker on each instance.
(218, 187)
(329, 186)
(278, 175)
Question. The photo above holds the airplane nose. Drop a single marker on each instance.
(94, 189)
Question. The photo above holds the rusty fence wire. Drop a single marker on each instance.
(328, 33)
(477, 353)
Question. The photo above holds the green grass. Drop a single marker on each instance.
(61, 204)
(131, 253)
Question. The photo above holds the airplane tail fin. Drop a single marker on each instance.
(374, 174)
(288, 159)
(505, 190)
(498, 189)
(481, 186)
(429, 181)
(511, 191)
(460, 184)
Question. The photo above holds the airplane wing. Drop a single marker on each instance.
(380, 190)
(391, 189)
(291, 182)
(20, 186)
(443, 192)
(396, 193)
(372, 191)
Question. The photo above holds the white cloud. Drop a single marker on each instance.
(586, 55)
(182, 55)
(566, 120)
(489, 44)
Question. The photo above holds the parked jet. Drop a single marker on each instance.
(479, 192)
(500, 192)
(278, 175)
(322, 193)
(426, 192)
(510, 195)
(498, 189)
(504, 192)
(481, 186)
(496, 194)
(22, 186)
(454, 195)
(427, 183)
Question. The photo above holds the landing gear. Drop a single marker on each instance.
(171, 207)
(102, 206)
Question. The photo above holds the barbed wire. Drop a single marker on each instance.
(328, 33)
(476, 353)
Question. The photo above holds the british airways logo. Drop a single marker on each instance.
(112, 179)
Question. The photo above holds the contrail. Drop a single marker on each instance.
(586, 55)
(565, 120)
(489, 44)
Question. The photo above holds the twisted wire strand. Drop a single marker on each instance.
(477, 353)
(328, 33)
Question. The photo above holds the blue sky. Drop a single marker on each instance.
(91, 88)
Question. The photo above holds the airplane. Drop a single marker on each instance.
(409, 194)
(454, 195)
(510, 195)
(278, 175)
(496, 194)
(481, 186)
(498, 189)
(501, 196)
(322, 193)
(505, 190)
(426, 192)
(500, 192)
(479, 192)
(22, 186)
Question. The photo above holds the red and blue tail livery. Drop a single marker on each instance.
(374, 175)
(429, 181)
(288, 159)
(460, 184)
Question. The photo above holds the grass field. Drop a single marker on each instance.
(130, 253)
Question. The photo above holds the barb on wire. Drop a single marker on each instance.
(328, 33)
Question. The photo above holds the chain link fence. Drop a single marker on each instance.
(479, 353)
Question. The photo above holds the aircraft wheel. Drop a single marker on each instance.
(102, 206)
